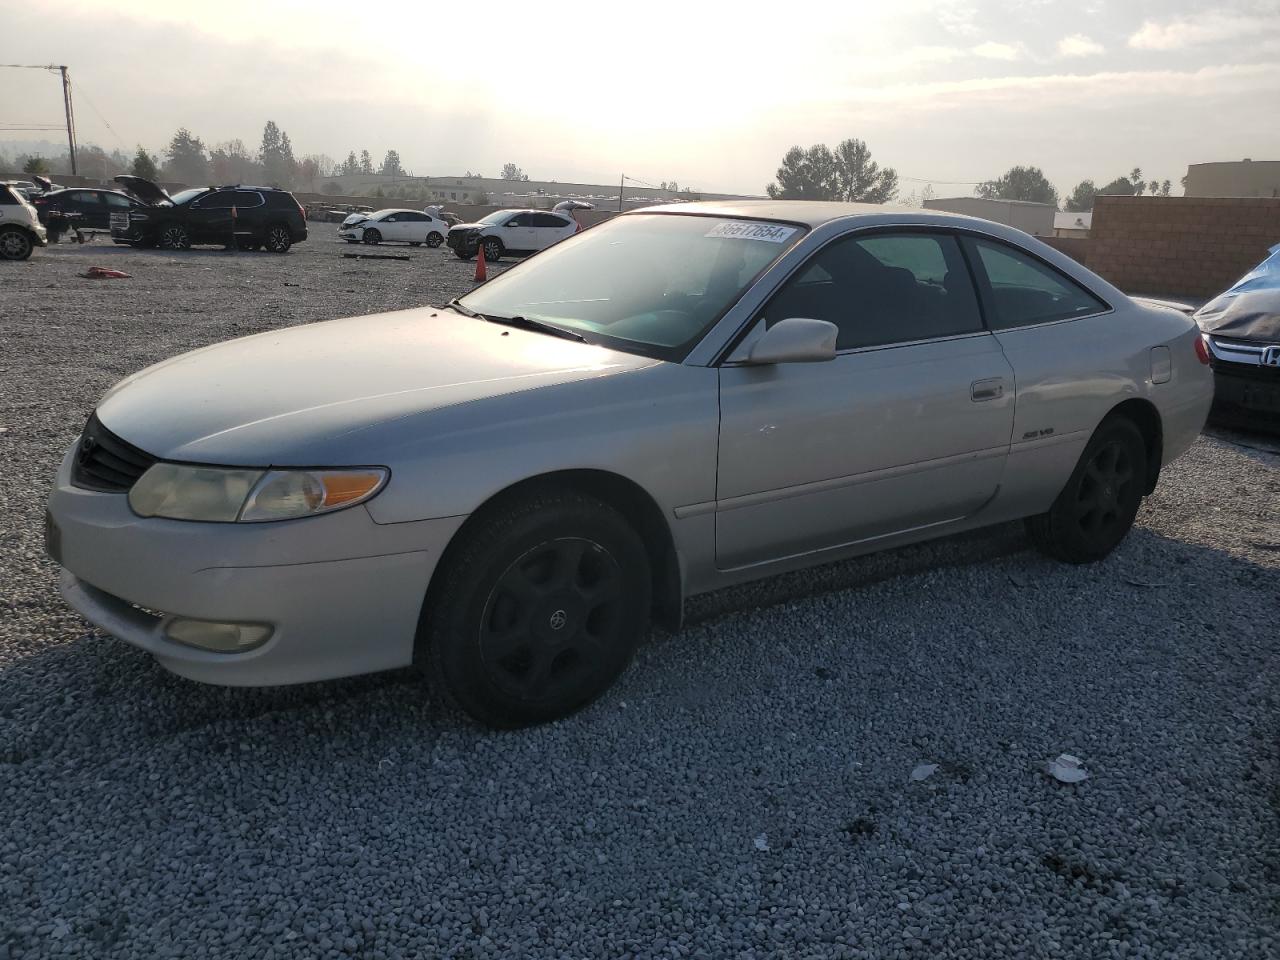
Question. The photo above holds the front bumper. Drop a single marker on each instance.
(341, 593)
(1251, 396)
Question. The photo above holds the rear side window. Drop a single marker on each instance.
(549, 220)
(1025, 291)
(246, 198)
(7, 197)
(86, 196)
(884, 289)
(116, 200)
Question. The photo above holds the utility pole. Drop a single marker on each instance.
(622, 185)
(71, 118)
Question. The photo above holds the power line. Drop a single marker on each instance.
(94, 107)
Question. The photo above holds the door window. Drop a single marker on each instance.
(549, 220)
(882, 289)
(521, 220)
(116, 200)
(86, 197)
(1025, 291)
(223, 200)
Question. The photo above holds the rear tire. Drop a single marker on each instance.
(434, 240)
(15, 244)
(538, 610)
(279, 239)
(1097, 507)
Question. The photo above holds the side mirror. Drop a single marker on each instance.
(794, 340)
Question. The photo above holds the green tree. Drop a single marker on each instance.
(144, 165)
(391, 165)
(1135, 178)
(846, 173)
(276, 156)
(511, 172)
(1119, 187)
(805, 175)
(1020, 183)
(858, 178)
(1081, 198)
(188, 162)
(349, 165)
(366, 162)
(36, 165)
(1165, 187)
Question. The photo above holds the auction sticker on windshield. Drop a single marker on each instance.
(747, 230)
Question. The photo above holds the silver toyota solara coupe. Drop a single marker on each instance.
(506, 489)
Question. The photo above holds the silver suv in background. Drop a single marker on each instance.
(20, 227)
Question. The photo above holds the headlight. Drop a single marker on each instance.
(226, 495)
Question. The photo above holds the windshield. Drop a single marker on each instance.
(645, 283)
(495, 217)
(186, 196)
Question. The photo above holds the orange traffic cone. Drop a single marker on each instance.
(481, 274)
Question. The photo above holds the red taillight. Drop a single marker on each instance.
(1202, 349)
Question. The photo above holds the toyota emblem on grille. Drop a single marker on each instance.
(558, 620)
(1271, 356)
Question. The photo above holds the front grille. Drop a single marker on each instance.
(106, 463)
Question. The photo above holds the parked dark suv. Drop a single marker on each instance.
(78, 208)
(249, 217)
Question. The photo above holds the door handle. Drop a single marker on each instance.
(992, 389)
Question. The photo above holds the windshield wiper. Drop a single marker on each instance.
(465, 311)
(525, 323)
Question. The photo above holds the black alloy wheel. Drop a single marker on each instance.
(1099, 503)
(279, 239)
(15, 244)
(538, 609)
(175, 236)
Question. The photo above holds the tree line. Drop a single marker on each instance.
(847, 172)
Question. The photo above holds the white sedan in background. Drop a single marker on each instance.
(414, 227)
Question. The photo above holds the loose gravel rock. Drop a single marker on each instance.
(746, 789)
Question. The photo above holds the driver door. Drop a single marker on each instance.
(209, 218)
(907, 427)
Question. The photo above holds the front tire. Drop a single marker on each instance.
(493, 249)
(1097, 507)
(538, 611)
(371, 236)
(175, 237)
(15, 244)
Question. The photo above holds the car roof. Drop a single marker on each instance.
(813, 213)
(378, 213)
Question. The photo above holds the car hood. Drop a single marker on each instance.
(1250, 308)
(143, 189)
(289, 397)
(469, 226)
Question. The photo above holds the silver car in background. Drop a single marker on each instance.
(506, 489)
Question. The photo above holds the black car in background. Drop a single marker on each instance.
(244, 216)
(81, 208)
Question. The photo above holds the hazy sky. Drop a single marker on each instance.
(707, 94)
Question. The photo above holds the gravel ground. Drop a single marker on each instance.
(746, 789)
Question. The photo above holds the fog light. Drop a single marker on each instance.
(219, 637)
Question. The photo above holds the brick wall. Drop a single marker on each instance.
(1188, 246)
(1077, 248)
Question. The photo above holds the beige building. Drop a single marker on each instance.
(1234, 178)
(1066, 224)
(1033, 218)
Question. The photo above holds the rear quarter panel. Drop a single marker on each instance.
(1070, 375)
